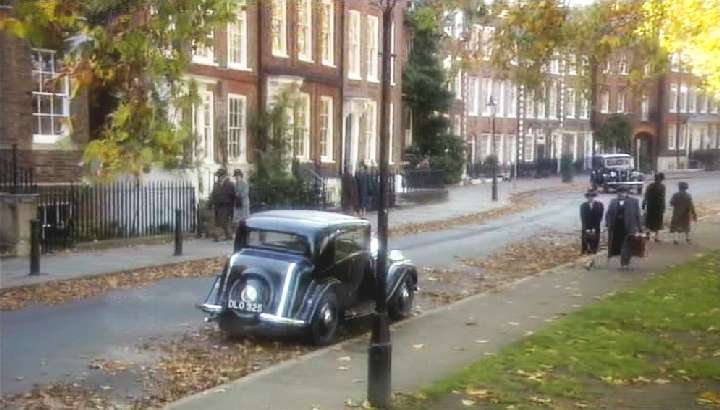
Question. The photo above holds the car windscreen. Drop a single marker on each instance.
(617, 162)
(257, 238)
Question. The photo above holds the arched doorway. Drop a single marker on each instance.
(643, 151)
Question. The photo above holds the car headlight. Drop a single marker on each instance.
(249, 294)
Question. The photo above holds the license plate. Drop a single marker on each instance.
(245, 306)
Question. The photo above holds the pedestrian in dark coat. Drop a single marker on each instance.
(683, 210)
(222, 199)
(363, 190)
(591, 215)
(349, 194)
(622, 220)
(654, 205)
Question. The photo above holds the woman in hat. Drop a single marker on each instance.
(622, 221)
(654, 205)
(591, 215)
(683, 210)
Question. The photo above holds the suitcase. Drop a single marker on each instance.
(638, 245)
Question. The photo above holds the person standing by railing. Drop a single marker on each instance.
(222, 199)
(363, 189)
(242, 197)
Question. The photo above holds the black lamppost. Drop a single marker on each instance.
(493, 109)
(380, 349)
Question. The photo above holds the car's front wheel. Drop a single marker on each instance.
(401, 303)
(324, 324)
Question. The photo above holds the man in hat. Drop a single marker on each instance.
(683, 211)
(591, 215)
(623, 221)
(222, 200)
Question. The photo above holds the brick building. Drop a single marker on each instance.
(329, 51)
(35, 112)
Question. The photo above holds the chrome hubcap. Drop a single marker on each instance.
(327, 315)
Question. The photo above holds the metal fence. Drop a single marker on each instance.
(352, 195)
(416, 179)
(15, 179)
(70, 214)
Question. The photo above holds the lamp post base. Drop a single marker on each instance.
(494, 189)
(380, 363)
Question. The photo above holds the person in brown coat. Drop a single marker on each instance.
(683, 210)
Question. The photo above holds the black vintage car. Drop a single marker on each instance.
(613, 170)
(302, 272)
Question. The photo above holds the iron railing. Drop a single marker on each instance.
(417, 179)
(303, 195)
(70, 214)
(15, 179)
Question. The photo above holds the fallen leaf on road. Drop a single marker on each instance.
(344, 359)
(709, 398)
(467, 403)
(480, 341)
(343, 368)
(418, 346)
(477, 392)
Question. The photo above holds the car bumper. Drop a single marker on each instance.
(263, 323)
(617, 183)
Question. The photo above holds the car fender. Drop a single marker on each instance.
(397, 273)
(314, 294)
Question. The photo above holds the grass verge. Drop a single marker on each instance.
(662, 338)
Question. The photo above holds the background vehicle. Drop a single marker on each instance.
(301, 272)
(613, 170)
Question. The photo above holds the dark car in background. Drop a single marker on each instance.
(303, 272)
(613, 170)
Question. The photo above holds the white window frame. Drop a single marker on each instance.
(645, 108)
(205, 131)
(530, 104)
(585, 107)
(457, 85)
(237, 40)
(371, 132)
(605, 101)
(305, 21)
(354, 50)
(373, 49)
(326, 129)
(205, 53)
(38, 114)
(572, 64)
(391, 133)
(487, 92)
(303, 103)
(692, 100)
(237, 130)
(327, 32)
(623, 68)
(620, 104)
(673, 96)
(552, 100)
(474, 96)
(683, 98)
(571, 106)
(392, 53)
(278, 28)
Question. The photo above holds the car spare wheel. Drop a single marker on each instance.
(323, 327)
(401, 303)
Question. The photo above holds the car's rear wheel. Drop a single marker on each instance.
(401, 303)
(324, 324)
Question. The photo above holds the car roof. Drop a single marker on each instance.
(301, 221)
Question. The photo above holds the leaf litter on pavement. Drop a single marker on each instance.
(63, 291)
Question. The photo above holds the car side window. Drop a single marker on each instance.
(348, 243)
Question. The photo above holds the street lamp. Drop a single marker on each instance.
(493, 109)
(380, 349)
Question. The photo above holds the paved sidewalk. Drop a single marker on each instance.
(462, 200)
(432, 346)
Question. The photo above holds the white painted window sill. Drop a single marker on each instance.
(239, 67)
(43, 139)
(280, 55)
(327, 160)
(329, 64)
(355, 77)
(203, 61)
(306, 59)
